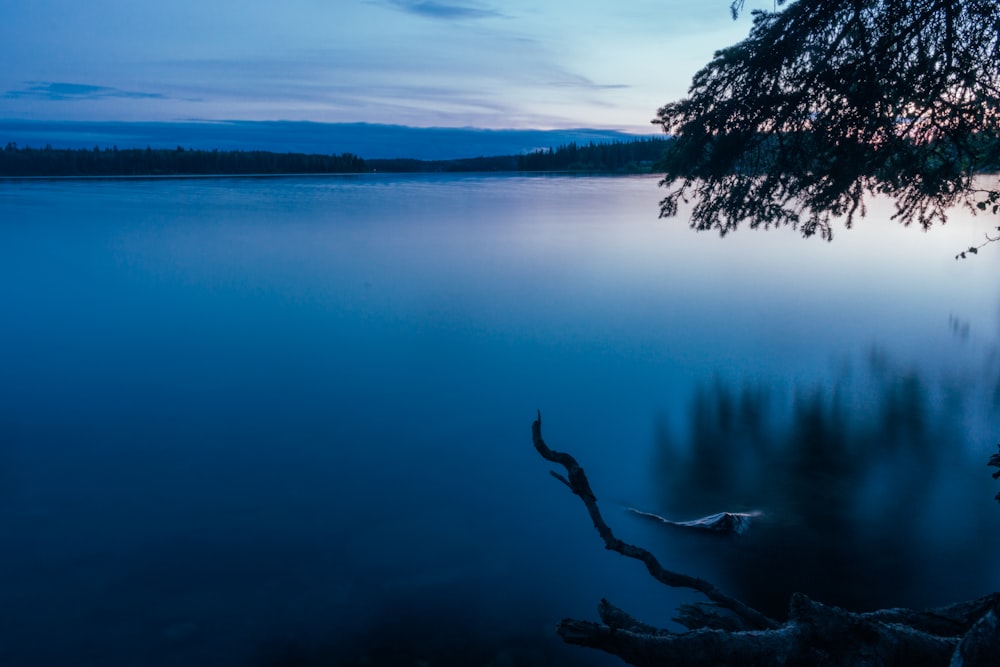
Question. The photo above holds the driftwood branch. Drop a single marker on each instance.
(580, 485)
(815, 635)
(727, 632)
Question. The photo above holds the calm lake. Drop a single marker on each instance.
(287, 421)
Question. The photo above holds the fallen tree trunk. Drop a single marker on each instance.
(725, 631)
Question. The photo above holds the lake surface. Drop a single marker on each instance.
(287, 421)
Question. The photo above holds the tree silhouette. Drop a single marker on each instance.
(828, 101)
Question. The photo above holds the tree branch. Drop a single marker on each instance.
(580, 485)
(815, 635)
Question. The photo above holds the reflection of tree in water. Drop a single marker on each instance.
(870, 495)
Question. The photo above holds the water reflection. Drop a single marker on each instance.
(871, 495)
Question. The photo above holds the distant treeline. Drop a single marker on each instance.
(637, 156)
(618, 157)
(15, 161)
(411, 166)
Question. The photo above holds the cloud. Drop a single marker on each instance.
(57, 90)
(442, 10)
(567, 79)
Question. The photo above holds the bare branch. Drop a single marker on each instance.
(815, 635)
(951, 621)
(580, 485)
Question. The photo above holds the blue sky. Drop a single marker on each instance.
(426, 63)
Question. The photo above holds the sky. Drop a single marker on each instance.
(423, 63)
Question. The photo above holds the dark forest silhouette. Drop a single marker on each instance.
(48, 161)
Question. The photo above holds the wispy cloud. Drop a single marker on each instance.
(443, 10)
(58, 90)
(404, 86)
(567, 79)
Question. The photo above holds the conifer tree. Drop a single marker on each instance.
(827, 101)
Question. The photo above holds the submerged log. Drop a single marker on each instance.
(725, 631)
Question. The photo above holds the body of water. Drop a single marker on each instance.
(287, 421)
